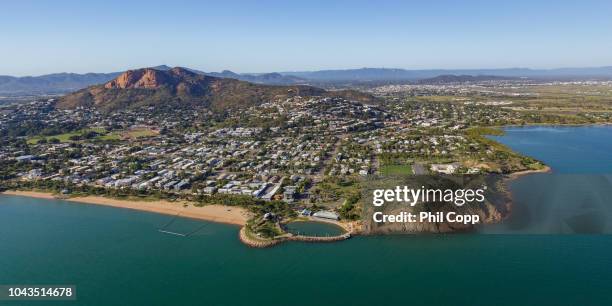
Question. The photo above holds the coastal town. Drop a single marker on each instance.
(300, 153)
(309, 153)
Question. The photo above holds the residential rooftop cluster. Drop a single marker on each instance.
(278, 150)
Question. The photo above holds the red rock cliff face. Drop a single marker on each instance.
(142, 78)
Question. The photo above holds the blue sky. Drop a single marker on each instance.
(39, 37)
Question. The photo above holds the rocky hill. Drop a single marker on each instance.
(182, 87)
(61, 83)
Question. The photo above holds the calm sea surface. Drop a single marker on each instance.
(117, 257)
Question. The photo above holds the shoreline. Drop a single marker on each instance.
(553, 125)
(255, 242)
(515, 175)
(214, 213)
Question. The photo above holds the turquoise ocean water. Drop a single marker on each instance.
(117, 257)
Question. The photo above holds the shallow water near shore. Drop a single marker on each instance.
(118, 257)
(576, 197)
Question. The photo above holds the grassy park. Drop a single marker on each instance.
(396, 170)
(96, 134)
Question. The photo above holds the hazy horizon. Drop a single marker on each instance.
(279, 36)
(300, 71)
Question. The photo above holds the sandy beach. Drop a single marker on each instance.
(215, 213)
(31, 194)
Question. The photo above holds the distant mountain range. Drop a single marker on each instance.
(59, 83)
(273, 78)
(454, 79)
(56, 83)
(179, 87)
(389, 74)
